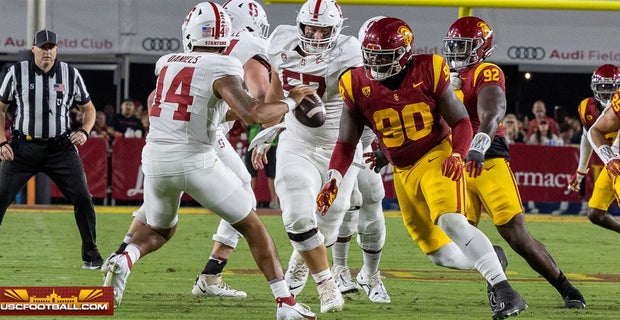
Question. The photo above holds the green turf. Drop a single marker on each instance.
(43, 249)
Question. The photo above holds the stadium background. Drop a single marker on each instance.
(116, 42)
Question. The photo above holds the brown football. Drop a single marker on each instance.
(310, 111)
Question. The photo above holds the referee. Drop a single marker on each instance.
(44, 89)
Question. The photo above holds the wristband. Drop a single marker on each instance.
(2, 144)
(335, 175)
(84, 132)
(290, 103)
(606, 153)
(481, 142)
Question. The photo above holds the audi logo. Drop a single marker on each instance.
(161, 44)
(526, 53)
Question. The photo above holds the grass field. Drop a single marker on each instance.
(43, 249)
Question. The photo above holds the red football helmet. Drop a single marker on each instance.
(605, 81)
(387, 47)
(469, 40)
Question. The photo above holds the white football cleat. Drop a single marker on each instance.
(330, 297)
(373, 286)
(285, 311)
(342, 276)
(212, 285)
(106, 262)
(296, 274)
(117, 270)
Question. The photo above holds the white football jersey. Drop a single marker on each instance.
(185, 109)
(320, 71)
(244, 46)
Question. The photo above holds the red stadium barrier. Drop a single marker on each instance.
(542, 172)
(94, 155)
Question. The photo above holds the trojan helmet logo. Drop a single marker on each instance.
(366, 91)
(484, 27)
(407, 35)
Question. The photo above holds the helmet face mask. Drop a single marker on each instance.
(387, 48)
(248, 14)
(206, 25)
(325, 18)
(469, 40)
(605, 82)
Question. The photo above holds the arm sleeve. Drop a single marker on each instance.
(342, 157)
(585, 152)
(461, 136)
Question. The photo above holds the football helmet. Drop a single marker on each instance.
(605, 81)
(321, 14)
(469, 40)
(206, 25)
(387, 48)
(362, 32)
(248, 14)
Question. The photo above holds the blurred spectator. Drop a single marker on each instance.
(576, 124)
(540, 113)
(567, 131)
(560, 115)
(142, 113)
(513, 129)
(126, 123)
(100, 129)
(110, 113)
(76, 118)
(543, 136)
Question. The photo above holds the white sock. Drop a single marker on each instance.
(133, 252)
(451, 256)
(322, 276)
(474, 244)
(340, 253)
(279, 288)
(371, 262)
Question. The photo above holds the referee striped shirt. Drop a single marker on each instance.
(43, 99)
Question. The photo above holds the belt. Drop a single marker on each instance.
(28, 138)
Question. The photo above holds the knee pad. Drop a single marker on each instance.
(349, 224)
(372, 237)
(306, 241)
(226, 234)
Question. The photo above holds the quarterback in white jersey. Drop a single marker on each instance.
(312, 53)
(179, 155)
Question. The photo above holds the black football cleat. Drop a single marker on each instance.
(573, 299)
(508, 302)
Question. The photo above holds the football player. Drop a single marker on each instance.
(314, 53)
(179, 155)
(424, 131)
(605, 81)
(608, 123)
(481, 86)
(250, 28)
(365, 217)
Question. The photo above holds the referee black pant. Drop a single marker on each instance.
(59, 160)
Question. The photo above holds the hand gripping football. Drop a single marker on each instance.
(310, 111)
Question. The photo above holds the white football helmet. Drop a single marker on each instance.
(206, 25)
(319, 13)
(362, 33)
(248, 14)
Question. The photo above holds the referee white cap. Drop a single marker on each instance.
(44, 37)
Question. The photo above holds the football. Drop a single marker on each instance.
(310, 111)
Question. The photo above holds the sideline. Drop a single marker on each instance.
(262, 212)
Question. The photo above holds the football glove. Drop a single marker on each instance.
(329, 192)
(376, 160)
(266, 135)
(574, 183)
(452, 167)
(473, 163)
(613, 168)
